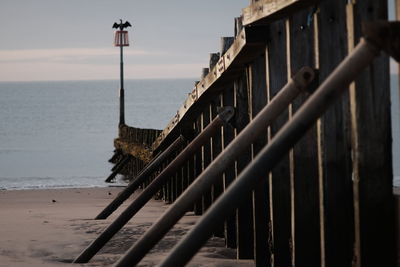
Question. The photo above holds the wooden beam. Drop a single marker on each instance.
(206, 155)
(306, 194)
(244, 214)
(280, 184)
(266, 11)
(336, 154)
(229, 174)
(258, 94)
(216, 148)
(372, 149)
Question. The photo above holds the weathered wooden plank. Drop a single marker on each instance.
(306, 189)
(216, 148)
(191, 173)
(262, 250)
(174, 186)
(179, 183)
(214, 57)
(198, 166)
(338, 208)
(185, 176)
(266, 11)
(192, 166)
(165, 187)
(238, 25)
(281, 197)
(206, 155)
(170, 185)
(372, 156)
(229, 174)
(244, 216)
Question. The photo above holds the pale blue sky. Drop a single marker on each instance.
(70, 40)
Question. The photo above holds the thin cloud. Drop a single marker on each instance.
(46, 71)
(66, 54)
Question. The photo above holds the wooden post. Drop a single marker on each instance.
(216, 148)
(226, 42)
(165, 187)
(372, 150)
(238, 25)
(280, 187)
(228, 99)
(244, 215)
(258, 94)
(179, 182)
(229, 175)
(198, 209)
(306, 192)
(192, 168)
(336, 165)
(204, 72)
(171, 184)
(185, 176)
(214, 57)
(216, 143)
(206, 154)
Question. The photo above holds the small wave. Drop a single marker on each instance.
(21, 183)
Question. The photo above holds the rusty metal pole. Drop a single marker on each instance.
(225, 115)
(269, 156)
(132, 186)
(209, 176)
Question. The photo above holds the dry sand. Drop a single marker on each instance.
(51, 227)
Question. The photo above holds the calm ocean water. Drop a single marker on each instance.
(60, 134)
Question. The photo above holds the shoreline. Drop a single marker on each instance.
(50, 227)
(65, 187)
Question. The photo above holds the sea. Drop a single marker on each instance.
(59, 134)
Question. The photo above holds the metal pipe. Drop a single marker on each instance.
(118, 168)
(134, 184)
(155, 185)
(270, 155)
(117, 153)
(121, 90)
(210, 175)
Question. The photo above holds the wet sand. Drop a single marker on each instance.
(51, 227)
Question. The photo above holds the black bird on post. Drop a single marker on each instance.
(121, 25)
(121, 40)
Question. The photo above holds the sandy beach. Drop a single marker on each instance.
(51, 227)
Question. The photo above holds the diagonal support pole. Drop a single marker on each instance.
(120, 165)
(211, 175)
(269, 156)
(134, 184)
(225, 115)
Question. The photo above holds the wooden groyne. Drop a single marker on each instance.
(286, 155)
(132, 151)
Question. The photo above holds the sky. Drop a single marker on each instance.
(72, 39)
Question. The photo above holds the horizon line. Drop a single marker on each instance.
(89, 80)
